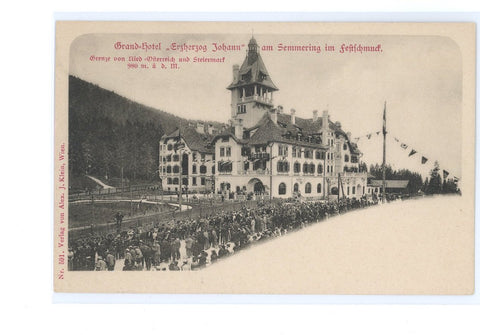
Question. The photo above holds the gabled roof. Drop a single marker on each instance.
(193, 139)
(389, 183)
(268, 131)
(254, 69)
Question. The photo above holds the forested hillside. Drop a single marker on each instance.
(108, 132)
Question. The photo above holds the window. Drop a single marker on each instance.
(169, 169)
(202, 156)
(194, 169)
(169, 181)
(283, 167)
(353, 189)
(176, 169)
(203, 169)
(305, 168)
(282, 189)
(308, 153)
(294, 151)
(175, 181)
(176, 158)
(202, 180)
(296, 167)
(348, 190)
(334, 190)
(345, 146)
(213, 169)
(347, 158)
(354, 159)
(228, 151)
(320, 169)
(185, 181)
(194, 181)
(241, 109)
(224, 167)
(295, 187)
(194, 156)
(311, 168)
(169, 158)
(319, 188)
(170, 147)
(308, 188)
(246, 165)
(222, 152)
(282, 150)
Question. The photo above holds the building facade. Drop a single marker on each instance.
(187, 157)
(272, 153)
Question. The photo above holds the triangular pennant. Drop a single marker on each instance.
(369, 135)
(424, 159)
(378, 133)
(413, 152)
(445, 174)
(404, 146)
(397, 140)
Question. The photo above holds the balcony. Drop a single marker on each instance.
(257, 98)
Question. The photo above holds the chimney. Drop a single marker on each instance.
(274, 115)
(210, 129)
(325, 119)
(315, 116)
(236, 70)
(280, 108)
(292, 113)
(200, 128)
(239, 128)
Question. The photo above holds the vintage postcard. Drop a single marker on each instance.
(264, 158)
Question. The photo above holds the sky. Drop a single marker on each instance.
(419, 78)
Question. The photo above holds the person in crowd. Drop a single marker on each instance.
(110, 260)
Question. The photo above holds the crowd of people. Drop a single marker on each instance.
(195, 243)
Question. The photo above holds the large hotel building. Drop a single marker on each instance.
(265, 150)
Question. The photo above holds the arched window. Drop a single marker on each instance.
(320, 169)
(334, 190)
(175, 181)
(176, 169)
(170, 146)
(282, 188)
(203, 169)
(319, 188)
(311, 168)
(194, 169)
(295, 187)
(308, 188)
(296, 167)
(305, 167)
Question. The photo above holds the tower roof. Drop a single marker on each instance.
(253, 70)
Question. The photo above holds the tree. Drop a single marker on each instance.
(435, 184)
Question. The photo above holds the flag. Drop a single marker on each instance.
(404, 146)
(385, 118)
(413, 152)
(445, 174)
(424, 159)
(397, 140)
(369, 135)
(378, 133)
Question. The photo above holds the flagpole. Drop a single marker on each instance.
(384, 150)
